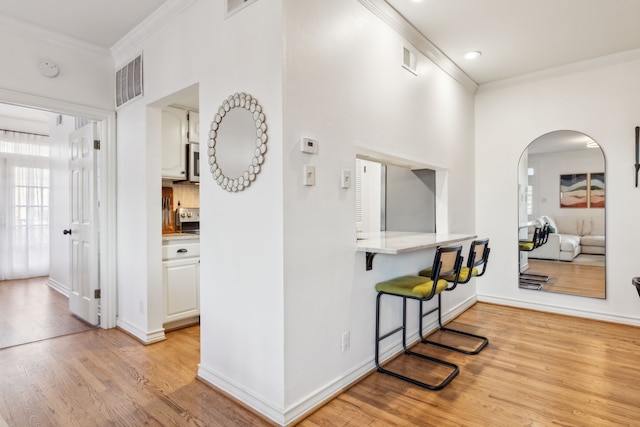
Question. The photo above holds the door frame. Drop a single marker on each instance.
(107, 189)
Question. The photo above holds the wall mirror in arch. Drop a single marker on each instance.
(561, 183)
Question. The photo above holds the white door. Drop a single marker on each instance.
(83, 228)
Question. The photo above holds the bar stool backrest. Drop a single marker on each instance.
(544, 235)
(447, 262)
(478, 256)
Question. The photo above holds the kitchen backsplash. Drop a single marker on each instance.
(187, 194)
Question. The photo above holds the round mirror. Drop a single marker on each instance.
(237, 142)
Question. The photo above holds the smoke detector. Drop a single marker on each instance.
(49, 68)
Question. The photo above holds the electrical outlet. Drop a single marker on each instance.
(346, 341)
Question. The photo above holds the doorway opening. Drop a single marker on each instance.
(36, 198)
(394, 198)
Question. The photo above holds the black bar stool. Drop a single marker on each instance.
(476, 266)
(447, 262)
(540, 237)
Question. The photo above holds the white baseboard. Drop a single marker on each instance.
(314, 400)
(54, 284)
(144, 337)
(264, 407)
(179, 324)
(558, 309)
(305, 405)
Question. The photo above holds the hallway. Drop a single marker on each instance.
(31, 311)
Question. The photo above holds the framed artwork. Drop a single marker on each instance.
(596, 190)
(573, 190)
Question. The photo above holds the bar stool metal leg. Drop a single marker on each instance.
(476, 266)
(483, 340)
(454, 368)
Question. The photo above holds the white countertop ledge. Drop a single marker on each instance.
(171, 237)
(398, 242)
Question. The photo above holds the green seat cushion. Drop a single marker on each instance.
(526, 246)
(411, 286)
(464, 274)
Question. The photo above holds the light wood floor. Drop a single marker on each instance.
(30, 310)
(570, 278)
(538, 370)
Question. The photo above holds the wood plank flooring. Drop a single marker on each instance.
(30, 310)
(104, 377)
(570, 278)
(539, 369)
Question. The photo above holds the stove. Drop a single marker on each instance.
(188, 220)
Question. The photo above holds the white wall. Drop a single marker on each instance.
(172, 58)
(280, 277)
(86, 74)
(345, 87)
(242, 290)
(242, 320)
(600, 102)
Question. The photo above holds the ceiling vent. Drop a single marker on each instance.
(129, 82)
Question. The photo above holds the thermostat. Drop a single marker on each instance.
(308, 145)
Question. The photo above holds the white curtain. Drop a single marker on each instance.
(24, 205)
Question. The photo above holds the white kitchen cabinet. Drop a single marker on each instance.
(181, 280)
(174, 143)
(194, 127)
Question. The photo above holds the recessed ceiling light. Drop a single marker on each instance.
(472, 55)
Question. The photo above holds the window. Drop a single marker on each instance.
(530, 173)
(24, 205)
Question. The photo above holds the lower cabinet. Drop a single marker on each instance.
(181, 282)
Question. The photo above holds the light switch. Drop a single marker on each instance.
(309, 175)
(308, 145)
(345, 179)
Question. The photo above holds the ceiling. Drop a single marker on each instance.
(518, 36)
(102, 23)
(515, 36)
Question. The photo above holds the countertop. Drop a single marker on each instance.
(171, 237)
(397, 242)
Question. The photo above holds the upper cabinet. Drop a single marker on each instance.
(194, 127)
(174, 143)
(179, 128)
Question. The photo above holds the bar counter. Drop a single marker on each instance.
(398, 242)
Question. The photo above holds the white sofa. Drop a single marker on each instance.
(570, 236)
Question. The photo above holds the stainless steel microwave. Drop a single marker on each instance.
(193, 166)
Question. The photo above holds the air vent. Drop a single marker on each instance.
(129, 82)
(409, 61)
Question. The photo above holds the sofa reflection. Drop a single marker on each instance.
(570, 236)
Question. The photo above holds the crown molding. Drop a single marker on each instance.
(27, 100)
(129, 45)
(564, 70)
(399, 23)
(52, 37)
